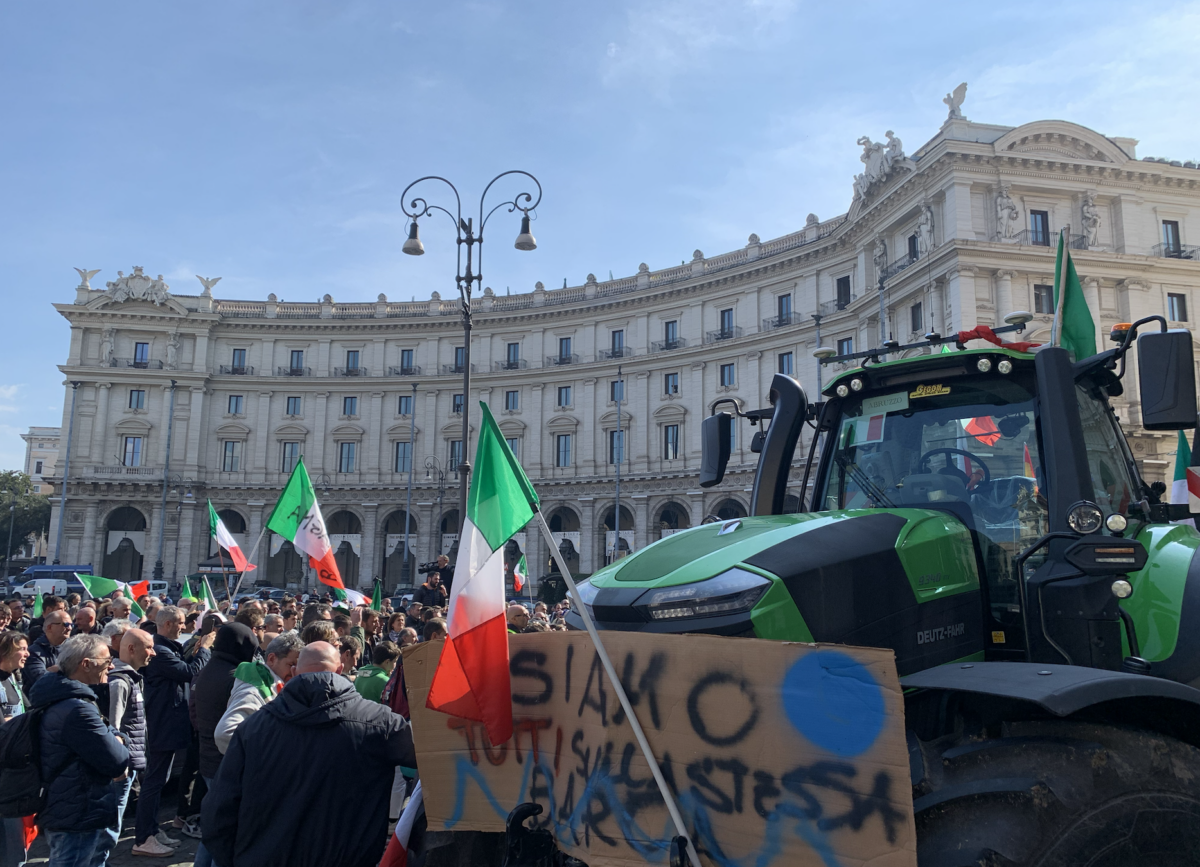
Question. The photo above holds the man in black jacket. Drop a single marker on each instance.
(43, 653)
(168, 727)
(342, 736)
(82, 756)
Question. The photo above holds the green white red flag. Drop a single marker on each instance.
(98, 588)
(225, 539)
(519, 573)
(472, 679)
(297, 518)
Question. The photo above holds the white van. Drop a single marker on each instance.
(41, 587)
(157, 587)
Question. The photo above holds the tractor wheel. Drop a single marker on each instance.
(1058, 794)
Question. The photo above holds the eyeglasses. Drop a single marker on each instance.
(107, 660)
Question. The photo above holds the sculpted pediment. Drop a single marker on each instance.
(1059, 139)
(138, 290)
(298, 431)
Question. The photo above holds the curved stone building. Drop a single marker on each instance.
(958, 233)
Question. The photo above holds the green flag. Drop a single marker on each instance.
(377, 597)
(98, 588)
(186, 591)
(1183, 460)
(37, 604)
(1076, 328)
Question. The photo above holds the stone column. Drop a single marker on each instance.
(101, 453)
(88, 542)
(320, 426)
(367, 568)
(937, 317)
(160, 446)
(698, 398)
(196, 436)
(262, 423)
(191, 549)
(589, 461)
(537, 441)
(587, 534)
(374, 461)
(641, 521)
(1091, 294)
(1004, 302)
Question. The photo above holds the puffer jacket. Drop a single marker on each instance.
(342, 737)
(235, 643)
(127, 710)
(165, 685)
(42, 655)
(81, 754)
(253, 686)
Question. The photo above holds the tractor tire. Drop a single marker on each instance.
(1057, 794)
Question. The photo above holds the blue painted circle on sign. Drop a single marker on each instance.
(834, 701)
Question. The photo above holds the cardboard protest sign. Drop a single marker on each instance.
(779, 754)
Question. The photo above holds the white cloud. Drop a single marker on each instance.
(667, 38)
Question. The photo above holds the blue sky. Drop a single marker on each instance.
(268, 143)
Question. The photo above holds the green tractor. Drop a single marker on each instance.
(980, 513)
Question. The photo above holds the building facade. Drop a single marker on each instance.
(41, 456)
(959, 233)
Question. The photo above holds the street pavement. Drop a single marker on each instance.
(122, 856)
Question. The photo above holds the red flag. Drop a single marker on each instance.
(984, 430)
(140, 589)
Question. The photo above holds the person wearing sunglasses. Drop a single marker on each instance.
(43, 653)
(85, 759)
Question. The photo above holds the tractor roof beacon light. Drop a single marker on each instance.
(1117, 335)
(525, 240)
(1018, 317)
(824, 352)
(413, 245)
(1085, 518)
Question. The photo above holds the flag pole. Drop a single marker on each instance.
(640, 735)
(250, 559)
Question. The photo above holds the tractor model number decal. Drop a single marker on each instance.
(929, 391)
(941, 633)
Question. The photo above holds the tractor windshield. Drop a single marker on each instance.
(970, 442)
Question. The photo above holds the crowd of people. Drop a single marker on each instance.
(125, 698)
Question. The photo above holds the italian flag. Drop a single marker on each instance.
(206, 601)
(472, 680)
(1185, 488)
(396, 854)
(297, 518)
(377, 597)
(217, 529)
(98, 588)
(519, 573)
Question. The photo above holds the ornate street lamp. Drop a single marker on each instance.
(467, 235)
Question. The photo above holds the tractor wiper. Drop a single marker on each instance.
(863, 481)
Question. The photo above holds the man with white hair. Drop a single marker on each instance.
(256, 683)
(342, 736)
(83, 758)
(115, 631)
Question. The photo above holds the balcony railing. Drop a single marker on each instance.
(617, 352)
(828, 308)
(781, 321)
(121, 470)
(404, 371)
(448, 369)
(230, 370)
(896, 267)
(1175, 251)
(139, 363)
(557, 360)
(511, 364)
(351, 371)
(293, 371)
(668, 345)
(1038, 238)
(723, 334)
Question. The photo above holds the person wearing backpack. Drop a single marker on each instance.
(84, 762)
(126, 708)
(14, 650)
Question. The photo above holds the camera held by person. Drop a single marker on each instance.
(426, 568)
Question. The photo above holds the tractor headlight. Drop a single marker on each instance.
(983, 365)
(1085, 518)
(856, 384)
(728, 593)
(842, 391)
(587, 592)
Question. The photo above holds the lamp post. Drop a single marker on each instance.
(62, 494)
(12, 517)
(466, 235)
(434, 469)
(412, 455)
(176, 481)
(162, 512)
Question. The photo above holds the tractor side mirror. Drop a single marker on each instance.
(716, 433)
(1167, 378)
